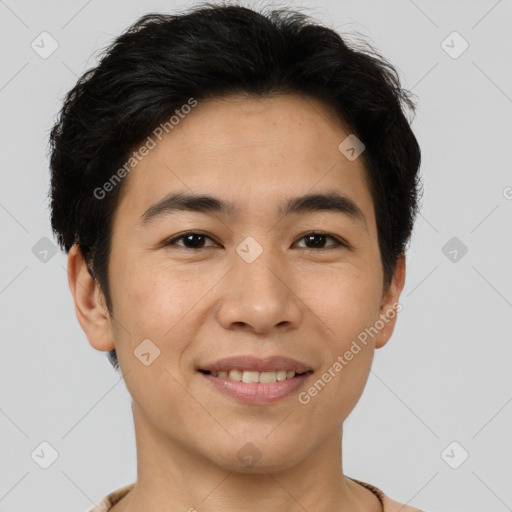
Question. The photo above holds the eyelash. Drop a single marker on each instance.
(338, 241)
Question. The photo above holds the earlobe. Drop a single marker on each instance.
(90, 308)
(389, 306)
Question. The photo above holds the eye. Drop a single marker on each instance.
(317, 241)
(196, 240)
(191, 240)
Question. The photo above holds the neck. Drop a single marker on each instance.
(171, 476)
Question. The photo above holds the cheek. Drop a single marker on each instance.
(347, 302)
(347, 306)
(150, 304)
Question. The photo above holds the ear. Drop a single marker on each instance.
(90, 307)
(390, 306)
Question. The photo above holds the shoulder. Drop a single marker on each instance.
(111, 499)
(388, 504)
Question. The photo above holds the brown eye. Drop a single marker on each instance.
(191, 240)
(197, 240)
(317, 241)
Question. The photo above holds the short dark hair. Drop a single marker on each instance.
(162, 60)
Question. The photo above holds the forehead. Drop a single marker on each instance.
(250, 152)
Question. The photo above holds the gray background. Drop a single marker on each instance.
(444, 376)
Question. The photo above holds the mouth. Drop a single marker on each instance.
(256, 381)
(249, 376)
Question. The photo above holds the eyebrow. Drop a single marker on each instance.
(330, 201)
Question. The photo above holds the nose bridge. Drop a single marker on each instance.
(257, 292)
(259, 270)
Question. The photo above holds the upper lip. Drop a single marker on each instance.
(252, 363)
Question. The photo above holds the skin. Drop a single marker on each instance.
(201, 306)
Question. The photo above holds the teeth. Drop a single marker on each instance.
(268, 377)
(235, 375)
(250, 376)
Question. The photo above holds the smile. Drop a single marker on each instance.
(249, 376)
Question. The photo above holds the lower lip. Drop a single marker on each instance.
(257, 392)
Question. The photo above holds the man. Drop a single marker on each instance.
(235, 191)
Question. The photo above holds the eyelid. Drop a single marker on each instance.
(176, 238)
(340, 242)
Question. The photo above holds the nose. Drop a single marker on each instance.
(259, 297)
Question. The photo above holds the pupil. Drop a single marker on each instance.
(319, 242)
(188, 238)
(196, 239)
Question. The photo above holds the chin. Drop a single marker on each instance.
(262, 466)
(259, 456)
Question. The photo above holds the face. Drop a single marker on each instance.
(278, 289)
